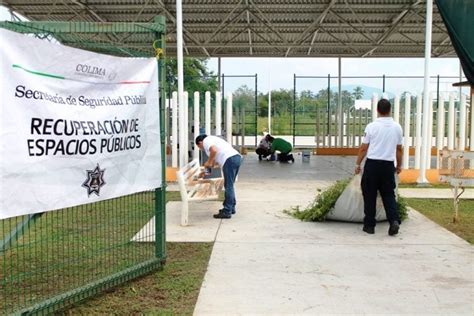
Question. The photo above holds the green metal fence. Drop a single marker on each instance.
(52, 260)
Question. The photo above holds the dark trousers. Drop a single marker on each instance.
(379, 175)
(230, 169)
(284, 157)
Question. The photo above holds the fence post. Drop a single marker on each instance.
(174, 130)
(218, 114)
(374, 106)
(294, 108)
(406, 123)
(396, 109)
(186, 128)
(462, 123)
(451, 122)
(228, 120)
(171, 105)
(429, 136)
(256, 109)
(181, 129)
(418, 132)
(160, 193)
(196, 122)
(329, 110)
(207, 112)
(223, 84)
(440, 128)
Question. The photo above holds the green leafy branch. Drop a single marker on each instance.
(324, 202)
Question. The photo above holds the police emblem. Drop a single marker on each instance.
(94, 181)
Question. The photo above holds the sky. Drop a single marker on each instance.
(278, 73)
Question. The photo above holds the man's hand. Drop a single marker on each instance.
(360, 156)
(399, 169)
(357, 169)
(207, 164)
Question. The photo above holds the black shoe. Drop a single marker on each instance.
(369, 229)
(222, 211)
(222, 215)
(393, 229)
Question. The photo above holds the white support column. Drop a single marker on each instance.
(440, 124)
(418, 120)
(406, 133)
(186, 128)
(207, 112)
(451, 123)
(374, 106)
(174, 130)
(218, 114)
(396, 109)
(228, 118)
(426, 90)
(179, 57)
(196, 123)
(462, 123)
(429, 135)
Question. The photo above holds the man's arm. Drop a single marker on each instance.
(212, 156)
(399, 158)
(272, 147)
(362, 153)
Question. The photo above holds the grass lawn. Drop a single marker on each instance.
(441, 212)
(431, 186)
(172, 291)
(68, 248)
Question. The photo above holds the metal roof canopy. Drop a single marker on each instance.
(266, 28)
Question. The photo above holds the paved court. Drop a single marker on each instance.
(265, 262)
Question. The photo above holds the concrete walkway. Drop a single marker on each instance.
(265, 262)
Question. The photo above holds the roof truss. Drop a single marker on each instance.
(297, 28)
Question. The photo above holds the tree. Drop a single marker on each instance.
(358, 93)
(243, 97)
(282, 101)
(307, 94)
(306, 102)
(196, 75)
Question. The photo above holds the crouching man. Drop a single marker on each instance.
(223, 154)
(382, 144)
(281, 145)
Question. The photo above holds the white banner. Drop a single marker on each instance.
(76, 127)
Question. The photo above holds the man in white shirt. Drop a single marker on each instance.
(221, 152)
(382, 144)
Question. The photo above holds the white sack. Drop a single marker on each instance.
(349, 206)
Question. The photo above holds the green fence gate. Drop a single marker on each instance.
(52, 260)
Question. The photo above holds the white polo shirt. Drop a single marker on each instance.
(223, 148)
(383, 135)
